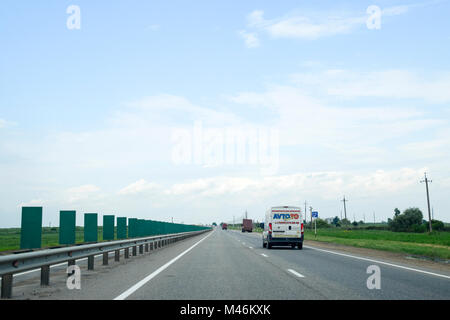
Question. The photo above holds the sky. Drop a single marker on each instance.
(199, 111)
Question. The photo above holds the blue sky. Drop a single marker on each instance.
(87, 116)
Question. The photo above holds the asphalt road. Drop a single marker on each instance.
(233, 265)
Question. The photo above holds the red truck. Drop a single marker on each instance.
(247, 225)
(224, 226)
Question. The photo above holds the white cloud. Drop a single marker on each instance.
(314, 26)
(395, 11)
(305, 120)
(397, 84)
(6, 124)
(330, 185)
(33, 203)
(82, 192)
(139, 187)
(375, 149)
(251, 39)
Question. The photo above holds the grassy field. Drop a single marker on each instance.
(435, 245)
(10, 238)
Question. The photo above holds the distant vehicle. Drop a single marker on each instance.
(224, 226)
(247, 225)
(283, 226)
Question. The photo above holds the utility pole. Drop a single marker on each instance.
(364, 217)
(305, 210)
(310, 212)
(428, 199)
(374, 217)
(345, 209)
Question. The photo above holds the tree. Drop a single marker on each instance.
(345, 222)
(396, 212)
(335, 221)
(320, 223)
(409, 220)
(437, 225)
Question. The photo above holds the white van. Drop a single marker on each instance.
(283, 227)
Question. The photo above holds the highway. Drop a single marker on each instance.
(226, 264)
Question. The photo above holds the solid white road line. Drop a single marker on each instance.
(296, 273)
(138, 285)
(380, 262)
(250, 247)
(264, 255)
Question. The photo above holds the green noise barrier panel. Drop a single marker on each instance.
(108, 227)
(132, 227)
(31, 228)
(121, 228)
(67, 220)
(90, 227)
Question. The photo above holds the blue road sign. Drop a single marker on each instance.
(315, 214)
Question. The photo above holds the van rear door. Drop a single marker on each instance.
(286, 222)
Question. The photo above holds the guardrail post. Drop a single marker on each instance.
(45, 275)
(91, 263)
(7, 280)
(146, 247)
(141, 249)
(134, 251)
(127, 253)
(117, 255)
(105, 258)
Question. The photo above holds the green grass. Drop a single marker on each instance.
(10, 238)
(435, 245)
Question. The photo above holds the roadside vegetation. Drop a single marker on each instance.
(10, 237)
(405, 232)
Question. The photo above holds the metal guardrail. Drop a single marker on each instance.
(43, 259)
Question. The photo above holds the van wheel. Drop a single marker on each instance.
(264, 244)
(300, 246)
